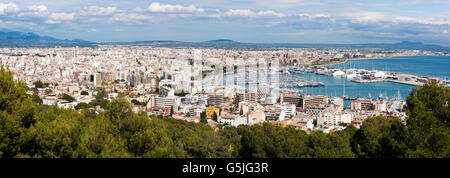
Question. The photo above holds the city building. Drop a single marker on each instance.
(166, 91)
(290, 98)
(211, 110)
(251, 97)
(308, 100)
(215, 99)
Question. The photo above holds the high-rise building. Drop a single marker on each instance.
(164, 102)
(97, 79)
(313, 100)
(215, 99)
(166, 91)
(290, 98)
(251, 97)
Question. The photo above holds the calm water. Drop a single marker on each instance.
(438, 66)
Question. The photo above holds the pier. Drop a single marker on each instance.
(368, 76)
(408, 79)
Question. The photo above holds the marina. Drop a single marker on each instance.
(352, 81)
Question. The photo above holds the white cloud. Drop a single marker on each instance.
(62, 16)
(249, 13)
(58, 17)
(311, 16)
(8, 8)
(366, 17)
(375, 17)
(138, 9)
(238, 12)
(270, 13)
(157, 7)
(99, 11)
(38, 9)
(421, 21)
(50, 21)
(131, 17)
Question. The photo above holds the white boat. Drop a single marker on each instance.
(352, 76)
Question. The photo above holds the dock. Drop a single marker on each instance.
(388, 80)
(369, 76)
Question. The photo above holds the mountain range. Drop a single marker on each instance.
(21, 39)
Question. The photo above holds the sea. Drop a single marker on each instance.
(437, 66)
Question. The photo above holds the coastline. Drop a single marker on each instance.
(440, 79)
(365, 58)
(357, 59)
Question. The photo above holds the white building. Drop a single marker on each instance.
(164, 102)
(333, 118)
(338, 73)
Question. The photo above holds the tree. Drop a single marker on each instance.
(57, 133)
(428, 121)
(101, 93)
(136, 102)
(67, 97)
(182, 93)
(100, 98)
(84, 93)
(203, 117)
(98, 139)
(40, 84)
(28, 129)
(82, 105)
(17, 115)
(215, 116)
(119, 109)
(380, 137)
(36, 99)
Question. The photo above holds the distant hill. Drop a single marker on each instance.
(221, 41)
(21, 39)
(226, 43)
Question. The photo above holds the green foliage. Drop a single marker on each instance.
(36, 99)
(275, 141)
(82, 105)
(136, 102)
(67, 97)
(215, 116)
(196, 140)
(380, 137)
(40, 84)
(57, 133)
(17, 112)
(428, 121)
(84, 93)
(182, 93)
(203, 118)
(100, 98)
(29, 129)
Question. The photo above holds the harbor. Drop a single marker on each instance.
(388, 77)
(369, 76)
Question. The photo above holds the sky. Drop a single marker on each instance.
(260, 21)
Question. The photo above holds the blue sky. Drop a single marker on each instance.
(280, 21)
